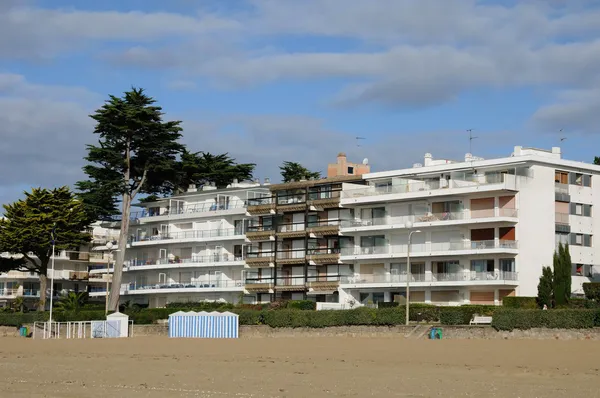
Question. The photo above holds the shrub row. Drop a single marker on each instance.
(510, 319)
(520, 302)
(592, 291)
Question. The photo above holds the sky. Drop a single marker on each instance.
(269, 81)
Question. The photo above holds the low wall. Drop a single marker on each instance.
(449, 332)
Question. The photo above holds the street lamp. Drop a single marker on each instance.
(409, 226)
(109, 246)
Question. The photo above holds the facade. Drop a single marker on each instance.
(189, 247)
(344, 168)
(485, 227)
(70, 273)
(296, 242)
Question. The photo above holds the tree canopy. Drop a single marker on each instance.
(30, 225)
(136, 154)
(545, 288)
(295, 171)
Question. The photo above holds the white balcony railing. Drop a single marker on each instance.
(204, 283)
(192, 234)
(430, 247)
(430, 217)
(561, 218)
(461, 276)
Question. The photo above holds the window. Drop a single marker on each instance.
(583, 270)
(446, 267)
(507, 264)
(561, 177)
(350, 170)
(482, 265)
(581, 240)
(584, 180)
(578, 209)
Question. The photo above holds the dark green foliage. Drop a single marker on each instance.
(201, 168)
(73, 316)
(28, 225)
(510, 319)
(201, 306)
(18, 319)
(520, 302)
(545, 288)
(562, 275)
(295, 171)
(596, 160)
(592, 291)
(301, 305)
(249, 317)
(72, 301)
(462, 315)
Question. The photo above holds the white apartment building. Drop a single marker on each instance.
(70, 272)
(485, 228)
(189, 247)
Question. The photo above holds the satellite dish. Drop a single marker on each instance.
(365, 161)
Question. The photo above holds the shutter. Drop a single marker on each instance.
(572, 208)
(587, 210)
(573, 269)
(587, 240)
(587, 180)
(572, 239)
(572, 178)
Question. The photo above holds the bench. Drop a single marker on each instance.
(481, 320)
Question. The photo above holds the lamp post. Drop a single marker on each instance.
(52, 235)
(408, 225)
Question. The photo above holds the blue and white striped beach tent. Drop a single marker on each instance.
(208, 325)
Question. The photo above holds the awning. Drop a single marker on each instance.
(318, 292)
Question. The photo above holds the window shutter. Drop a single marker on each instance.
(573, 269)
(572, 178)
(587, 240)
(572, 239)
(572, 208)
(587, 180)
(587, 210)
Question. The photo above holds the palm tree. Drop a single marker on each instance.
(72, 301)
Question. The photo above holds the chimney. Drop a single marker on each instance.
(235, 181)
(257, 181)
(556, 151)
(267, 181)
(192, 188)
(468, 157)
(428, 159)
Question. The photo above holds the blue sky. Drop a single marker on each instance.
(275, 80)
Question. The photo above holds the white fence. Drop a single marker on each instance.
(82, 329)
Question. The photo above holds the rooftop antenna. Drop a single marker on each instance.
(358, 141)
(471, 138)
(562, 138)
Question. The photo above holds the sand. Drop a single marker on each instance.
(298, 367)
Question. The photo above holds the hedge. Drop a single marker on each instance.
(510, 319)
(592, 291)
(520, 302)
(306, 305)
(17, 319)
(462, 315)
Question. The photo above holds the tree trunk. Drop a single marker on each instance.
(115, 289)
(43, 283)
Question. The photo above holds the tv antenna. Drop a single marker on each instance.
(562, 138)
(358, 141)
(471, 138)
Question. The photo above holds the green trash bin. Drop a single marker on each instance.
(439, 333)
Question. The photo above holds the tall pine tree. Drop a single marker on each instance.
(136, 154)
(562, 275)
(545, 288)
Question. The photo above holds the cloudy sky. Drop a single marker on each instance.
(274, 80)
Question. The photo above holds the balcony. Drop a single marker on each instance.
(191, 262)
(429, 188)
(290, 284)
(9, 293)
(291, 256)
(324, 255)
(31, 292)
(193, 209)
(561, 192)
(326, 199)
(96, 257)
(190, 235)
(258, 285)
(291, 230)
(257, 233)
(192, 286)
(261, 206)
(433, 219)
(430, 249)
(260, 259)
(294, 201)
(78, 276)
(323, 228)
(465, 277)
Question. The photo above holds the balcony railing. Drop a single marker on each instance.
(431, 217)
(261, 254)
(9, 292)
(267, 200)
(315, 251)
(260, 228)
(192, 234)
(31, 292)
(291, 198)
(423, 186)
(291, 254)
(199, 284)
(462, 276)
(214, 258)
(430, 247)
(562, 189)
(291, 227)
(561, 218)
(180, 210)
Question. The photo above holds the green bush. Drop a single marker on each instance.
(592, 291)
(18, 319)
(462, 315)
(510, 319)
(389, 304)
(305, 305)
(520, 302)
(249, 317)
(75, 316)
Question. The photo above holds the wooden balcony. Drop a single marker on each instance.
(289, 287)
(322, 204)
(258, 287)
(324, 230)
(291, 207)
(260, 262)
(291, 261)
(261, 209)
(324, 257)
(260, 235)
(323, 286)
(78, 276)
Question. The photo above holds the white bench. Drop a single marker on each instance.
(481, 320)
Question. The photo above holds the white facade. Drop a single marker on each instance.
(188, 248)
(487, 227)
